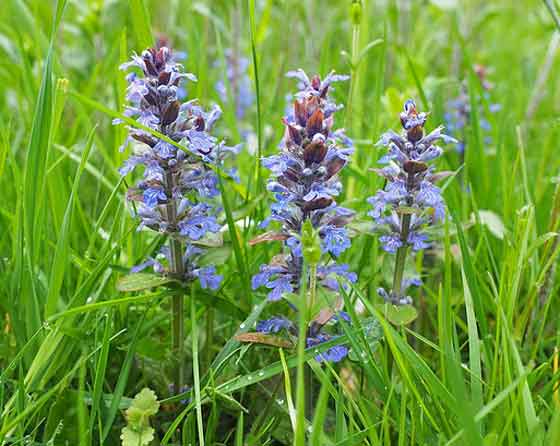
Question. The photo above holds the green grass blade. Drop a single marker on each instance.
(61, 260)
(141, 23)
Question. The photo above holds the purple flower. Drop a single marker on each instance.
(330, 275)
(335, 240)
(208, 277)
(153, 195)
(238, 86)
(279, 286)
(391, 242)
(316, 334)
(277, 278)
(458, 111)
(142, 266)
(274, 325)
(171, 174)
(333, 354)
(305, 181)
(198, 224)
(401, 209)
(418, 241)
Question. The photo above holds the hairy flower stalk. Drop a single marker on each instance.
(305, 184)
(174, 197)
(410, 202)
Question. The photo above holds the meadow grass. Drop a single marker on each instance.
(476, 363)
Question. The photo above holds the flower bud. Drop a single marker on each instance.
(356, 12)
(62, 84)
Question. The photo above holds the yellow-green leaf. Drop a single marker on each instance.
(142, 281)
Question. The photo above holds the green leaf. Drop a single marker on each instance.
(142, 281)
(216, 256)
(145, 401)
(211, 240)
(493, 222)
(266, 339)
(131, 437)
(398, 314)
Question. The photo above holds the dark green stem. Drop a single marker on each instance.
(400, 260)
(176, 269)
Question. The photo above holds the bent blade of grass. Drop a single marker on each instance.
(82, 309)
(196, 372)
(288, 390)
(474, 347)
(92, 170)
(237, 249)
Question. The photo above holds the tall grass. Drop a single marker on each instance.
(478, 365)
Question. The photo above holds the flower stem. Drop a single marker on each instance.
(308, 371)
(301, 389)
(400, 259)
(176, 269)
(312, 290)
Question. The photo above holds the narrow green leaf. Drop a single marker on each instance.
(398, 314)
(142, 281)
(141, 23)
(61, 259)
(196, 373)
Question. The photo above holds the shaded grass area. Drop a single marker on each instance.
(478, 365)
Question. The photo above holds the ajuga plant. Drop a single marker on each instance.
(176, 196)
(305, 185)
(238, 86)
(410, 201)
(458, 112)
